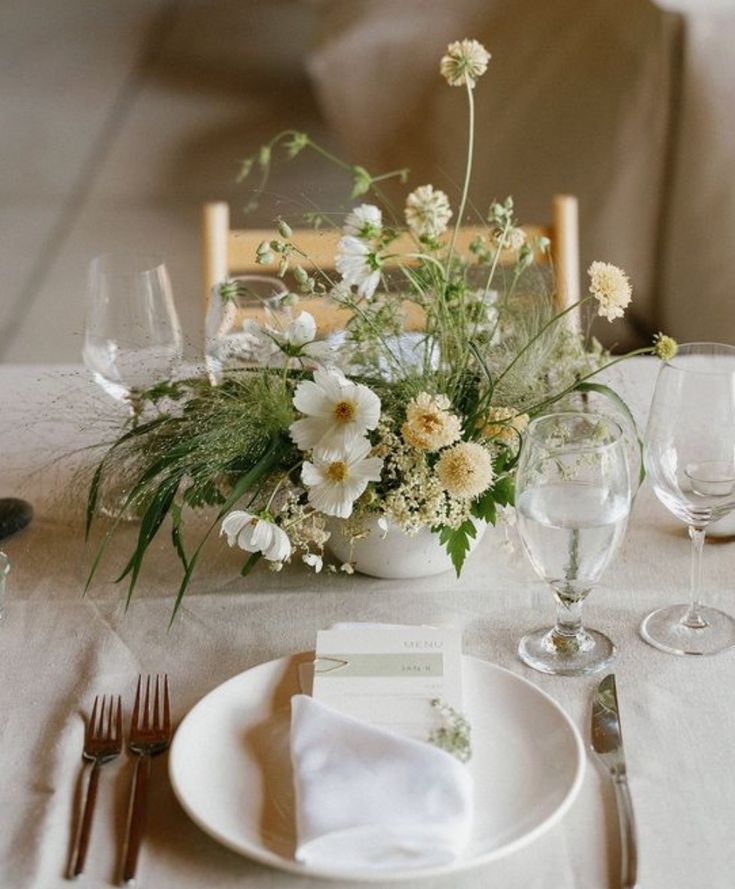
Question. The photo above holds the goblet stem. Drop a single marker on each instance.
(693, 617)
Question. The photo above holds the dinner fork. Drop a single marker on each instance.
(102, 743)
(150, 734)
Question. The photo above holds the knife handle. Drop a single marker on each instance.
(628, 842)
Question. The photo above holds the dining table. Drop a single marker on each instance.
(60, 646)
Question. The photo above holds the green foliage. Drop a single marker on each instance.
(457, 542)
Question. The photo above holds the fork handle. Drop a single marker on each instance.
(136, 816)
(86, 825)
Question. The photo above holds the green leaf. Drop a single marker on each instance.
(602, 389)
(152, 520)
(456, 541)
(504, 491)
(484, 507)
(250, 564)
(97, 477)
(176, 539)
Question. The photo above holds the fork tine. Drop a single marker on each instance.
(101, 721)
(118, 720)
(90, 722)
(146, 703)
(108, 736)
(166, 711)
(136, 707)
(156, 709)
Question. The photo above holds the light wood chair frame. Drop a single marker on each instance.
(229, 252)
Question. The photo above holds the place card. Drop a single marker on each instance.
(389, 675)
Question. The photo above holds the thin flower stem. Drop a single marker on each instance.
(467, 175)
(646, 350)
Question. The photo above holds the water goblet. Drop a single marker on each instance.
(689, 454)
(227, 343)
(573, 495)
(132, 336)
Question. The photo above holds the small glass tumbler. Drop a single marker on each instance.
(4, 571)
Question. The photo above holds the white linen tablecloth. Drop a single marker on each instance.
(58, 649)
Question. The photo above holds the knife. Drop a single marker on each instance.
(607, 742)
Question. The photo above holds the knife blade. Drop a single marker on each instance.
(607, 742)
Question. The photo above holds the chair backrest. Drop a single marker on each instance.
(230, 252)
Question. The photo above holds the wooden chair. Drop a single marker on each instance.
(229, 252)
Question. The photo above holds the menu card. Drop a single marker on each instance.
(389, 675)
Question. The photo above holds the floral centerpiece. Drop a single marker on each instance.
(411, 422)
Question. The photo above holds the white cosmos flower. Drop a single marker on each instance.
(338, 412)
(255, 534)
(336, 480)
(273, 347)
(358, 264)
(365, 221)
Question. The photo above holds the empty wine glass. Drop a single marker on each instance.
(690, 459)
(573, 497)
(227, 342)
(132, 336)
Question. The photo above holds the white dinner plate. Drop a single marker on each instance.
(230, 767)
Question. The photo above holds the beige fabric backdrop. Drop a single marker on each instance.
(626, 104)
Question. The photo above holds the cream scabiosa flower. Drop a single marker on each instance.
(255, 534)
(427, 211)
(504, 424)
(665, 347)
(336, 480)
(358, 264)
(338, 412)
(430, 425)
(611, 288)
(365, 221)
(464, 62)
(465, 470)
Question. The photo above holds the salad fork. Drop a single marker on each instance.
(150, 734)
(102, 743)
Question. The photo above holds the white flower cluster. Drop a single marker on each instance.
(338, 414)
(417, 498)
(427, 212)
(357, 259)
(294, 344)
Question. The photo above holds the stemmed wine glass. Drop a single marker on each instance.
(573, 496)
(227, 342)
(690, 459)
(132, 336)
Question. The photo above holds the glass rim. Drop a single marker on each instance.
(150, 262)
(272, 280)
(615, 427)
(688, 349)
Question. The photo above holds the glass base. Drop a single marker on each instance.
(666, 630)
(588, 651)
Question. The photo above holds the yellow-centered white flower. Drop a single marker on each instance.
(335, 480)
(611, 288)
(255, 534)
(465, 470)
(504, 424)
(365, 221)
(338, 412)
(274, 347)
(464, 62)
(427, 211)
(358, 264)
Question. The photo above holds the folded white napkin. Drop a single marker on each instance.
(367, 798)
